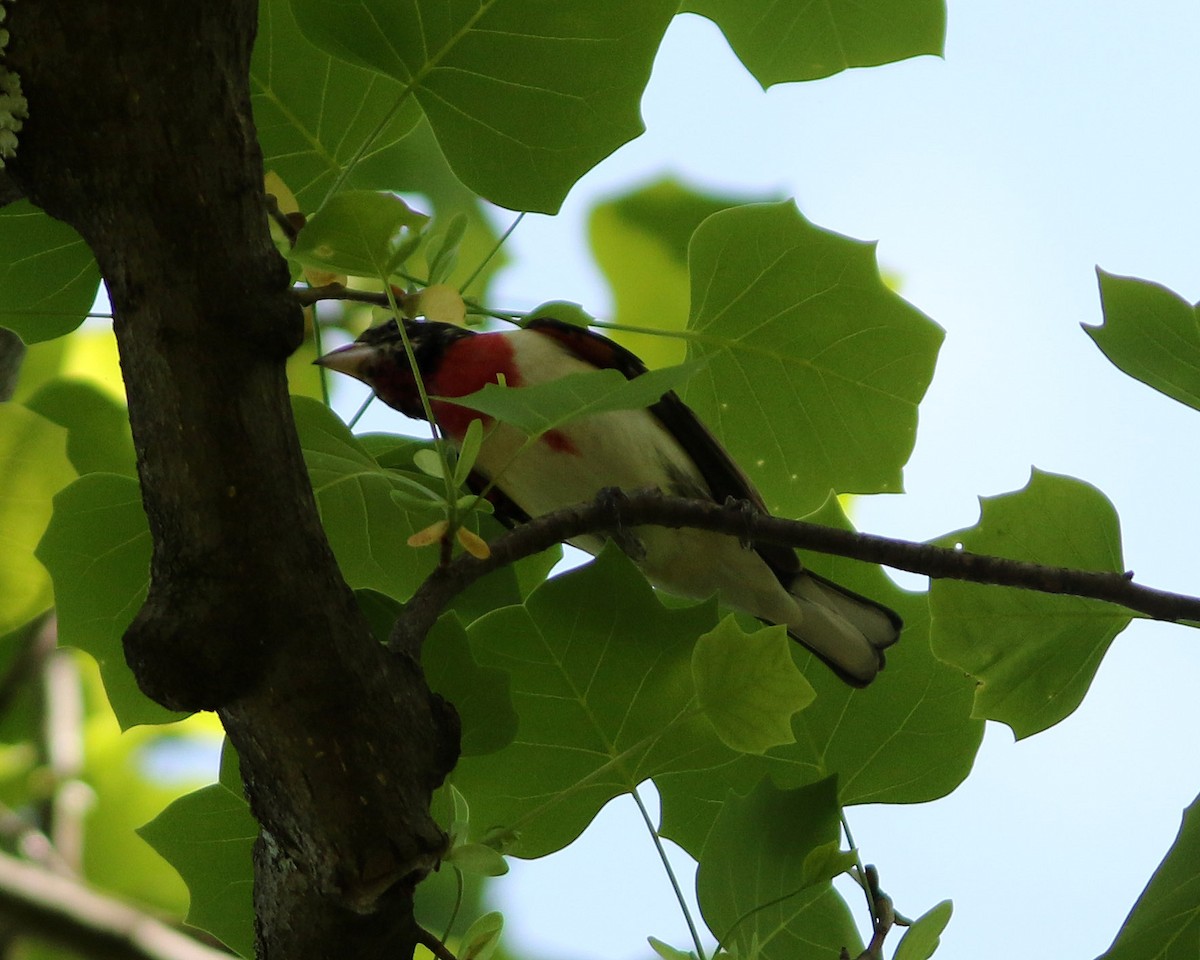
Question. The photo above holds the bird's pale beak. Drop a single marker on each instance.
(350, 359)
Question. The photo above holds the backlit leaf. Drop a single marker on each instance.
(1165, 921)
(748, 686)
(313, 111)
(815, 368)
(544, 406)
(1152, 334)
(97, 549)
(1034, 654)
(797, 40)
(33, 467)
(525, 96)
(601, 682)
(753, 887)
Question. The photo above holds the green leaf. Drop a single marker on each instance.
(1034, 654)
(482, 938)
(564, 311)
(419, 163)
(441, 255)
(97, 549)
(925, 935)
(1165, 922)
(601, 682)
(366, 529)
(98, 437)
(668, 952)
(478, 859)
(33, 467)
(907, 738)
(479, 694)
(752, 885)
(541, 407)
(1152, 334)
(640, 242)
(48, 274)
(362, 232)
(796, 40)
(123, 770)
(796, 321)
(468, 452)
(748, 686)
(525, 96)
(313, 112)
(208, 836)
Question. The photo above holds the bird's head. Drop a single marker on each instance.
(379, 360)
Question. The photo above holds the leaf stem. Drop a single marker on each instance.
(438, 441)
(662, 855)
(458, 899)
(862, 871)
(491, 253)
(362, 408)
(321, 371)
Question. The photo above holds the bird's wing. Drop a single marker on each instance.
(725, 479)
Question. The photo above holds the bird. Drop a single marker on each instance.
(664, 446)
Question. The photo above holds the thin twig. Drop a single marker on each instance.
(608, 512)
(66, 912)
(885, 917)
(434, 945)
(31, 842)
(63, 739)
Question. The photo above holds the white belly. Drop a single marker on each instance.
(631, 450)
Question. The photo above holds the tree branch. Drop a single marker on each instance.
(65, 912)
(610, 513)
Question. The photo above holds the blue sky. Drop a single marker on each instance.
(1053, 137)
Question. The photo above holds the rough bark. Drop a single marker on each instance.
(140, 136)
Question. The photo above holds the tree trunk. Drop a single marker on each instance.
(140, 136)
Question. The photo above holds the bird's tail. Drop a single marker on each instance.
(847, 631)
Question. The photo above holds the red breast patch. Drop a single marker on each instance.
(467, 366)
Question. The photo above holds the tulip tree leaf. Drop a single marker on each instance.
(756, 885)
(366, 528)
(541, 407)
(924, 934)
(1165, 923)
(208, 836)
(361, 232)
(354, 479)
(907, 738)
(33, 467)
(479, 694)
(97, 549)
(1034, 654)
(797, 40)
(48, 274)
(1152, 334)
(525, 96)
(313, 111)
(98, 437)
(640, 242)
(748, 686)
(604, 696)
(815, 368)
